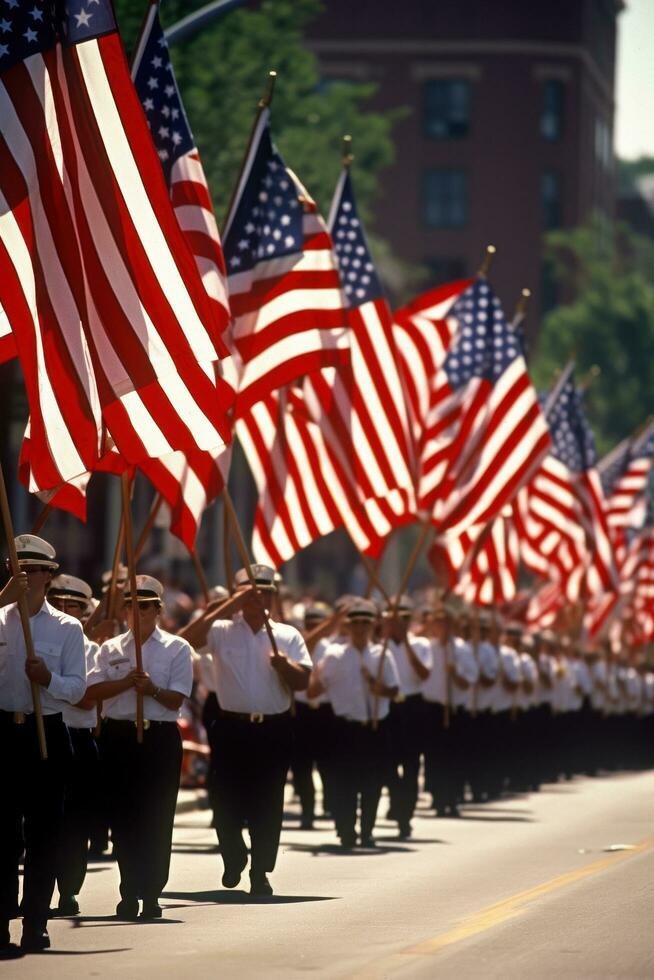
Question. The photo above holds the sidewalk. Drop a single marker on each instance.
(192, 799)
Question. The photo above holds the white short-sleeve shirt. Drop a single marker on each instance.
(58, 639)
(510, 669)
(528, 675)
(245, 680)
(410, 683)
(316, 655)
(166, 658)
(488, 658)
(84, 717)
(340, 673)
(435, 688)
(465, 666)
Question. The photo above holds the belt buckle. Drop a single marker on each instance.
(19, 718)
(256, 717)
(146, 724)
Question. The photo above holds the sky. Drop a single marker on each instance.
(634, 123)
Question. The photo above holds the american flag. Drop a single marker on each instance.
(361, 406)
(110, 318)
(156, 85)
(567, 502)
(487, 568)
(304, 490)
(624, 475)
(284, 286)
(7, 342)
(485, 433)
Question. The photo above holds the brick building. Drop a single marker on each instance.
(509, 129)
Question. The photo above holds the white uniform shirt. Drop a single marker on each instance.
(546, 669)
(410, 683)
(246, 681)
(203, 660)
(166, 658)
(564, 698)
(598, 675)
(340, 672)
(84, 717)
(613, 690)
(633, 690)
(59, 641)
(648, 689)
(435, 688)
(466, 667)
(316, 655)
(584, 678)
(575, 693)
(510, 669)
(528, 675)
(488, 658)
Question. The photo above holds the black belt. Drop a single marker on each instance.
(22, 717)
(253, 717)
(125, 722)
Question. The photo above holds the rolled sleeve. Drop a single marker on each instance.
(181, 671)
(70, 684)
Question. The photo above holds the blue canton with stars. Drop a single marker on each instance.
(358, 276)
(573, 442)
(157, 89)
(268, 220)
(485, 345)
(30, 27)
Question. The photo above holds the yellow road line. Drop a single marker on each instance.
(500, 912)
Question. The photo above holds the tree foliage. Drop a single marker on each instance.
(605, 273)
(222, 73)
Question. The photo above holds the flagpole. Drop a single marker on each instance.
(227, 553)
(23, 612)
(486, 262)
(147, 527)
(425, 532)
(263, 104)
(202, 578)
(41, 518)
(131, 570)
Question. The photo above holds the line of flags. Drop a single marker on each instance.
(147, 344)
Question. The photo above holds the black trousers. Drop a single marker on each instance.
(312, 736)
(79, 812)
(31, 814)
(210, 712)
(406, 724)
(251, 761)
(439, 750)
(360, 763)
(143, 781)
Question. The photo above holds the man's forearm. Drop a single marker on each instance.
(296, 676)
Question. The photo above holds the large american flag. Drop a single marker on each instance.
(361, 407)
(155, 82)
(485, 434)
(284, 287)
(624, 474)
(110, 318)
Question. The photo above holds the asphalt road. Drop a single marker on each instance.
(523, 888)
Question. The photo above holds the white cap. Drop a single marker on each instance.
(218, 592)
(35, 551)
(69, 587)
(148, 589)
(402, 605)
(263, 575)
(361, 610)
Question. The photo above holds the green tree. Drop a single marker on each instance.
(605, 273)
(222, 73)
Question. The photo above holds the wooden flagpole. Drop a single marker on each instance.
(23, 612)
(131, 569)
(227, 552)
(202, 578)
(425, 532)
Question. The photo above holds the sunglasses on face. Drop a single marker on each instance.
(143, 605)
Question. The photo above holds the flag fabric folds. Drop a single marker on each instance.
(485, 434)
(110, 318)
(284, 286)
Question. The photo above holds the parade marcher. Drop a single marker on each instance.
(436, 714)
(505, 705)
(252, 732)
(71, 596)
(32, 808)
(359, 693)
(464, 675)
(413, 659)
(143, 779)
(312, 722)
(527, 698)
(485, 782)
(543, 644)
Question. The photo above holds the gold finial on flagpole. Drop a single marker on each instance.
(347, 152)
(266, 98)
(487, 261)
(522, 304)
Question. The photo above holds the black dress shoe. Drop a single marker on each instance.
(232, 876)
(151, 910)
(367, 840)
(34, 939)
(128, 909)
(306, 825)
(348, 841)
(67, 906)
(8, 950)
(259, 885)
(404, 831)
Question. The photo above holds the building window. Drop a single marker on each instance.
(551, 119)
(445, 198)
(447, 108)
(550, 193)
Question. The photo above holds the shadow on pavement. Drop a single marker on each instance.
(240, 897)
(335, 850)
(465, 815)
(109, 921)
(195, 849)
(82, 952)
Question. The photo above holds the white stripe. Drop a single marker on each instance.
(313, 260)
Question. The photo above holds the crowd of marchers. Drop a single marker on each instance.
(403, 694)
